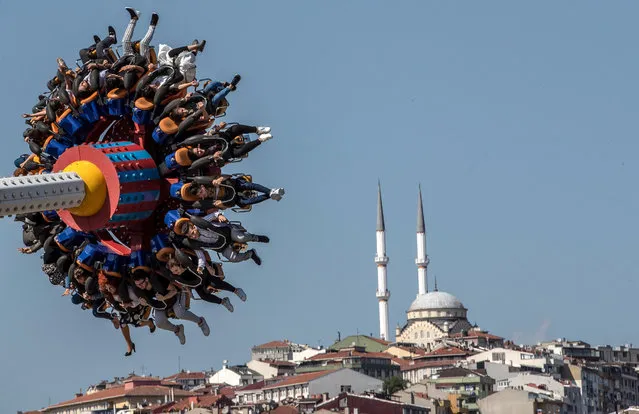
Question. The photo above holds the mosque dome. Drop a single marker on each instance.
(435, 300)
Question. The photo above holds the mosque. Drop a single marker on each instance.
(433, 314)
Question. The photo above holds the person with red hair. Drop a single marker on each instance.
(131, 313)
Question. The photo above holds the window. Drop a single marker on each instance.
(499, 356)
(415, 334)
(421, 334)
(345, 388)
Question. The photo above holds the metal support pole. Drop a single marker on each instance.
(35, 193)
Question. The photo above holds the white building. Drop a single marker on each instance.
(239, 375)
(306, 353)
(313, 383)
(564, 391)
(270, 369)
(521, 359)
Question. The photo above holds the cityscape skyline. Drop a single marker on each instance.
(517, 119)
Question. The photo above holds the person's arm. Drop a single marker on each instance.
(219, 180)
(31, 249)
(201, 261)
(172, 290)
(182, 86)
(132, 67)
(36, 114)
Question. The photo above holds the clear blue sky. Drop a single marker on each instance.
(519, 120)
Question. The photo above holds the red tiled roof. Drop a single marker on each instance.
(475, 334)
(401, 361)
(274, 344)
(426, 364)
(298, 379)
(163, 408)
(120, 391)
(411, 349)
(186, 376)
(209, 400)
(279, 363)
(139, 378)
(228, 391)
(255, 386)
(349, 354)
(284, 409)
(378, 340)
(453, 350)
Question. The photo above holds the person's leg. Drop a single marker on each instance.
(126, 333)
(146, 40)
(240, 129)
(235, 256)
(103, 45)
(84, 55)
(97, 309)
(239, 235)
(149, 323)
(244, 185)
(207, 296)
(220, 284)
(182, 313)
(237, 152)
(247, 201)
(127, 45)
(162, 322)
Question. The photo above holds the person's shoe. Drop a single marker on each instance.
(112, 33)
(263, 239)
(226, 302)
(204, 327)
(152, 327)
(200, 46)
(240, 294)
(277, 193)
(180, 334)
(256, 258)
(264, 137)
(154, 19)
(236, 79)
(263, 130)
(134, 13)
(96, 39)
(128, 353)
(62, 64)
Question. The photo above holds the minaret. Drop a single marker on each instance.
(422, 257)
(381, 260)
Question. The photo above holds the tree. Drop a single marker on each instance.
(394, 384)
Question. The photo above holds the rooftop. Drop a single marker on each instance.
(298, 379)
(274, 344)
(349, 354)
(435, 300)
(123, 391)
